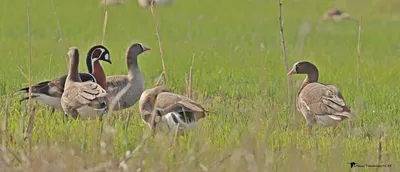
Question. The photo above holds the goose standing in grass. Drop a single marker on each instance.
(49, 92)
(117, 83)
(319, 103)
(82, 99)
(171, 109)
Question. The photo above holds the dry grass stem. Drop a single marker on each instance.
(59, 31)
(359, 52)
(29, 52)
(187, 84)
(28, 134)
(203, 168)
(58, 22)
(23, 74)
(159, 80)
(379, 148)
(104, 24)
(122, 164)
(128, 119)
(176, 135)
(153, 13)
(5, 124)
(191, 77)
(152, 119)
(218, 163)
(100, 167)
(116, 99)
(13, 154)
(288, 80)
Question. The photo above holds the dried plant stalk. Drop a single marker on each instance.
(29, 54)
(359, 52)
(159, 80)
(288, 80)
(116, 99)
(153, 13)
(31, 109)
(379, 151)
(104, 24)
(58, 22)
(5, 124)
(187, 84)
(128, 119)
(28, 133)
(191, 78)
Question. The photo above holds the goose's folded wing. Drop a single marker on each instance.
(183, 106)
(192, 106)
(171, 102)
(166, 99)
(330, 104)
(88, 92)
(116, 84)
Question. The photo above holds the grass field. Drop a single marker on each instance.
(238, 73)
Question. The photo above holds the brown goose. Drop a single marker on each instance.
(49, 92)
(336, 15)
(135, 77)
(319, 103)
(82, 99)
(171, 109)
(147, 3)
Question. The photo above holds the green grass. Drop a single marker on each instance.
(238, 73)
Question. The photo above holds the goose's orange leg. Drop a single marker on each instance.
(309, 130)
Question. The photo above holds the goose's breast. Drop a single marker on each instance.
(325, 120)
(87, 112)
(49, 100)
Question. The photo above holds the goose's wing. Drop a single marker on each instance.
(320, 99)
(170, 102)
(84, 93)
(115, 84)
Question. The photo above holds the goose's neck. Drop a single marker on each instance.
(73, 73)
(133, 67)
(311, 77)
(99, 74)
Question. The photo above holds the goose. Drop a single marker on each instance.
(116, 83)
(82, 99)
(319, 103)
(112, 2)
(336, 15)
(49, 92)
(147, 3)
(171, 109)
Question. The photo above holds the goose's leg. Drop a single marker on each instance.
(335, 125)
(52, 110)
(309, 129)
(74, 114)
(65, 118)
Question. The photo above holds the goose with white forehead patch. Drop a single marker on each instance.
(147, 3)
(116, 83)
(319, 103)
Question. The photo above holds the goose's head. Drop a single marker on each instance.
(95, 54)
(136, 49)
(302, 67)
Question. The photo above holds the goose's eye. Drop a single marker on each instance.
(297, 67)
